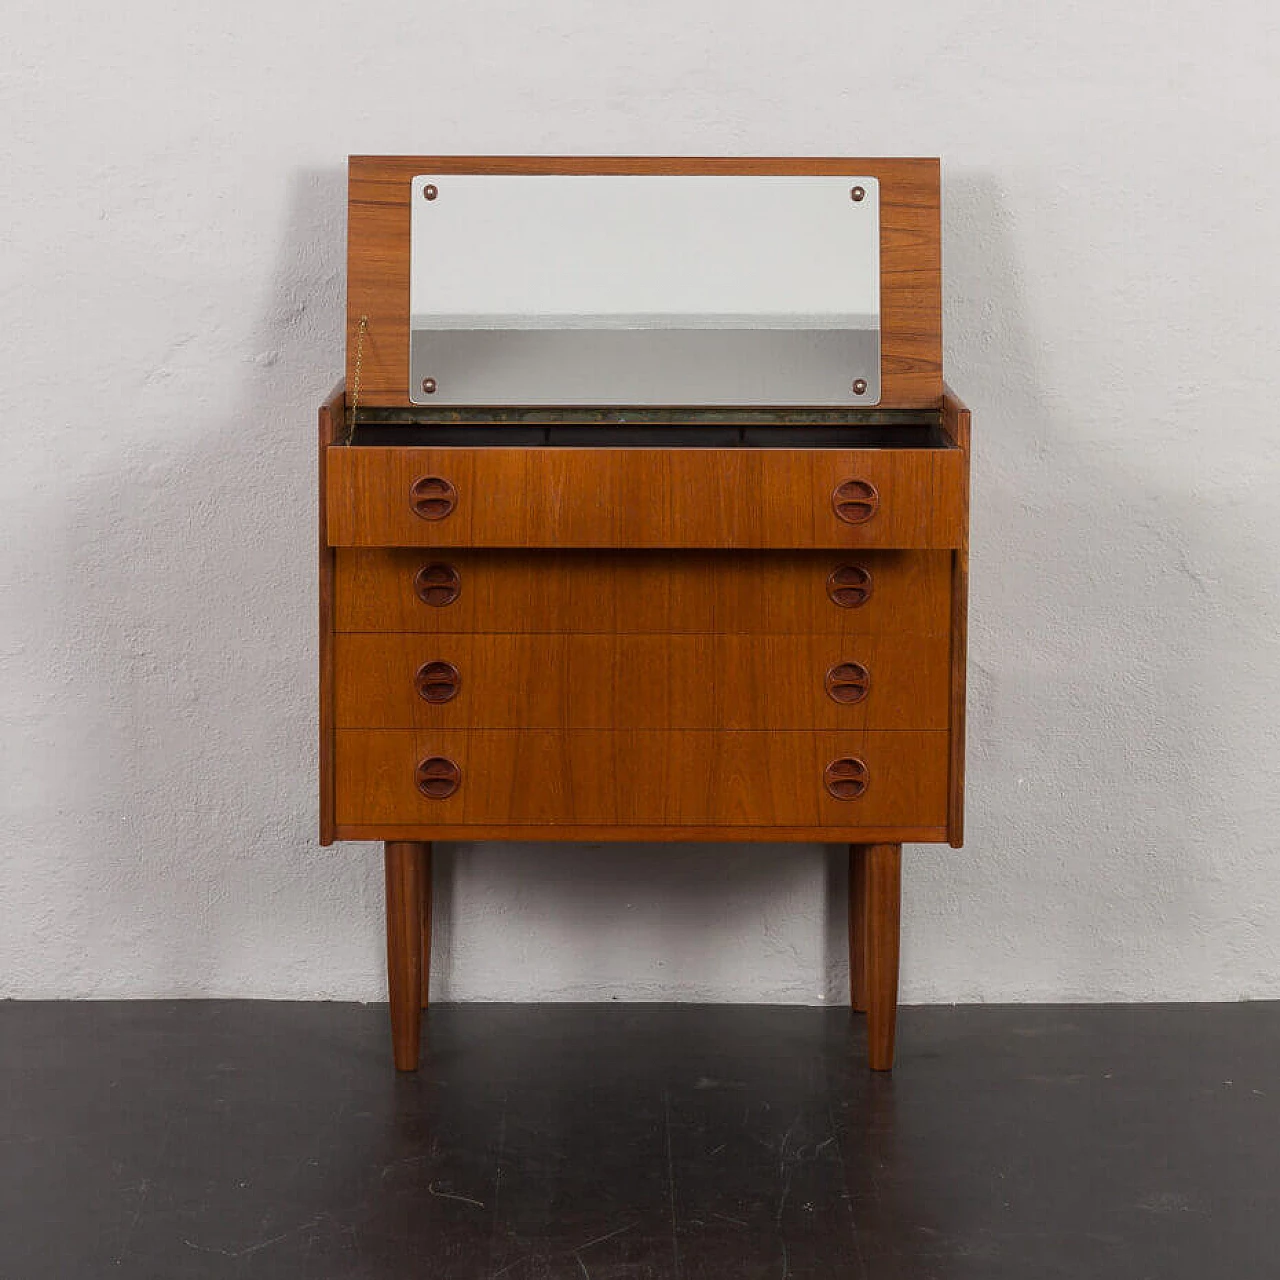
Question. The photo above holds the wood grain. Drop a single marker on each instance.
(955, 418)
(670, 498)
(558, 779)
(405, 867)
(910, 255)
(616, 833)
(625, 592)
(567, 681)
(331, 417)
(876, 869)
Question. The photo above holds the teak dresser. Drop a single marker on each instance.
(643, 516)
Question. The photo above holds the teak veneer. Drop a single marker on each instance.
(652, 641)
(695, 498)
(583, 680)
(910, 255)
(562, 779)
(629, 592)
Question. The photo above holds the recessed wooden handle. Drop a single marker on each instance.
(432, 498)
(846, 778)
(848, 682)
(849, 586)
(437, 681)
(437, 584)
(855, 501)
(437, 777)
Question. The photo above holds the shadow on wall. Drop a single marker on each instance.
(626, 921)
(1093, 726)
(194, 574)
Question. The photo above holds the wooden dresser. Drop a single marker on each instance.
(638, 621)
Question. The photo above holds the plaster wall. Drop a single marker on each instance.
(171, 277)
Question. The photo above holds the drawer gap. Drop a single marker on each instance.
(919, 435)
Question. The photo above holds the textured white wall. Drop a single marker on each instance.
(171, 221)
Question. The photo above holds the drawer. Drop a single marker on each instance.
(586, 497)
(388, 779)
(559, 681)
(622, 592)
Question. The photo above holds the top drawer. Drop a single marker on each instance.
(630, 497)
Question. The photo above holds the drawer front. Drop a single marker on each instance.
(492, 778)
(550, 681)
(624, 592)
(571, 497)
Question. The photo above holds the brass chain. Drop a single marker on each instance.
(355, 381)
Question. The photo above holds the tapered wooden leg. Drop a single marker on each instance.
(876, 887)
(405, 865)
(426, 925)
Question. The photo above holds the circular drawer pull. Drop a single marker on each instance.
(847, 682)
(437, 777)
(846, 778)
(849, 586)
(437, 681)
(855, 501)
(437, 584)
(432, 498)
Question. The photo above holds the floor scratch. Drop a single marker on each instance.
(784, 1170)
(854, 1233)
(601, 1239)
(782, 1199)
(786, 1137)
(671, 1184)
(145, 1188)
(449, 1195)
(497, 1189)
(248, 1250)
(508, 1267)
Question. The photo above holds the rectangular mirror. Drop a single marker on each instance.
(644, 290)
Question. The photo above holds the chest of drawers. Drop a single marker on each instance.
(558, 626)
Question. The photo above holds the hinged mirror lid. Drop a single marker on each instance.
(590, 282)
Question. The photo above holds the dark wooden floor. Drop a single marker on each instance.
(604, 1141)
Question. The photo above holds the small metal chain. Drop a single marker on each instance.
(355, 381)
